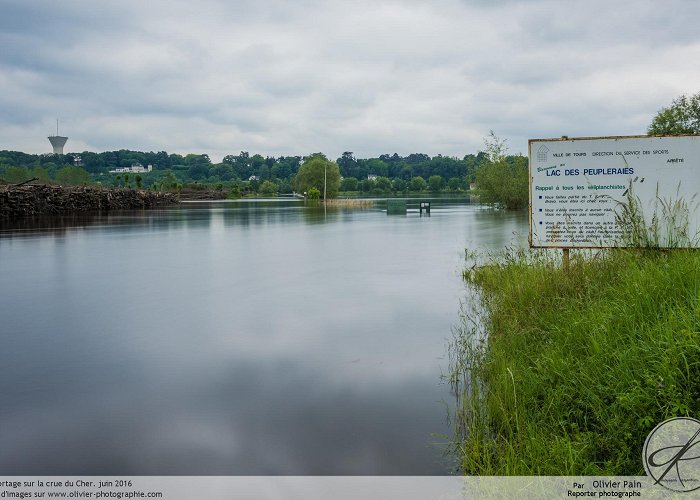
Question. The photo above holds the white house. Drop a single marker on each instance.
(135, 168)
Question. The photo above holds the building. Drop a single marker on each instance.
(135, 168)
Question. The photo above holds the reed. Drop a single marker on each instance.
(349, 203)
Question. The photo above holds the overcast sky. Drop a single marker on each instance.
(369, 76)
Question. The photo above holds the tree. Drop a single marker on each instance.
(502, 180)
(168, 181)
(383, 183)
(435, 182)
(496, 148)
(40, 173)
(348, 184)
(269, 188)
(16, 174)
(681, 117)
(312, 173)
(72, 176)
(417, 184)
(399, 184)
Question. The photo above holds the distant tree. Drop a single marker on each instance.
(348, 184)
(313, 194)
(383, 183)
(40, 173)
(16, 174)
(399, 184)
(417, 184)
(285, 186)
(223, 171)
(72, 176)
(269, 188)
(453, 183)
(681, 117)
(312, 173)
(139, 181)
(168, 182)
(377, 167)
(436, 182)
(348, 165)
(198, 170)
(406, 172)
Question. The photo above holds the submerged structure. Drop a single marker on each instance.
(57, 141)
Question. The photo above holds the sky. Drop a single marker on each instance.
(369, 76)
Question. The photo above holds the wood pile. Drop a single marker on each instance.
(29, 199)
(201, 194)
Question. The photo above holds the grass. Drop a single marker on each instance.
(565, 373)
(668, 225)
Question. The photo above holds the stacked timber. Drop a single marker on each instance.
(29, 199)
(202, 194)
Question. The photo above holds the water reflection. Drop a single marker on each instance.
(232, 338)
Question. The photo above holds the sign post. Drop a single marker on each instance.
(580, 188)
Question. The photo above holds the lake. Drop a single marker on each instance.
(234, 338)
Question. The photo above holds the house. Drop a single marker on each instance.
(135, 168)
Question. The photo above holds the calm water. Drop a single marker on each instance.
(233, 338)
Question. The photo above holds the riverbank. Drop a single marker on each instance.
(578, 367)
(30, 200)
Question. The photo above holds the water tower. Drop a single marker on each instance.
(57, 142)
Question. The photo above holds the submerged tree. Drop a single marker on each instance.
(315, 172)
(502, 180)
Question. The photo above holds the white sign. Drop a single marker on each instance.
(579, 188)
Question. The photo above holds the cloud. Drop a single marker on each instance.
(372, 77)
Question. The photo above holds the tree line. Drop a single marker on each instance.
(245, 172)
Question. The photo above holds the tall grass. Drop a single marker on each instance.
(349, 203)
(565, 373)
(667, 226)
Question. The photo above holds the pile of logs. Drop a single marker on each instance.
(199, 194)
(29, 199)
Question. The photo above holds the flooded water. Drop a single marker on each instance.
(230, 338)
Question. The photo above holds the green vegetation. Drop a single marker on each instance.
(72, 176)
(667, 227)
(502, 180)
(313, 194)
(269, 188)
(319, 173)
(246, 174)
(571, 371)
(681, 117)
